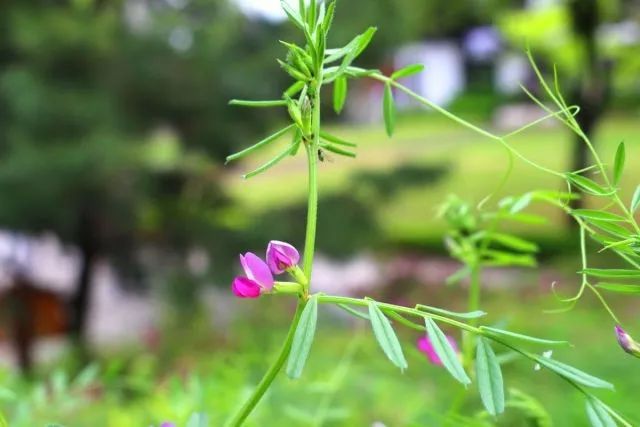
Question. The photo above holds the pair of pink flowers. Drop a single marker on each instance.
(258, 277)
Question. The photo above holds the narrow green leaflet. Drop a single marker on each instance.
(312, 14)
(364, 40)
(509, 241)
(521, 203)
(361, 72)
(258, 104)
(293, 89)
(458, 276)
(339, 93)
(611, 273)
(295, 143)
(588, 185)
(59, 382)
(500, 333)
(504, 258)
(403, 320)
(337, 150)
(388, 110)
(353, 311)
(618, 165)
(598, 415)
(553, 196)
(358, 45)
(445, 352)
(198, 419)
(572, 373)
(328, 137)
(598, 215)
(293, 72)
(635, 200)
(407, 71)
(294, 16)
(620, 288)
(489, 375)
(303, 338)
(611, 228)
(386, 336)
(531, 407)
(328, 17)
(518, 217)
(260, 144)
(86, 376)
(271, 163)
(469, 315)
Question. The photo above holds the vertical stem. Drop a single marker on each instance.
(309, 247)
(474, 290)
(473, 305)
(468, 338)
(271, 374)
(312, 208)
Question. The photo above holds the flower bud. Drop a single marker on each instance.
(627, 342)
(281, 256)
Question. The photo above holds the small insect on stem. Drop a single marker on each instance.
(323, 156)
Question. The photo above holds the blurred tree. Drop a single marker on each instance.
(568, 34)
(109, 114)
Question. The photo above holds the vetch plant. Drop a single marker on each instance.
(313, 65)
(613, 225)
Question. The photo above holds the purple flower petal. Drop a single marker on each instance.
(167, 424)
(281, 256)
(257, 270)
(426, 347)
(244, 287)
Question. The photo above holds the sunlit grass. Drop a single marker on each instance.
(476, 167)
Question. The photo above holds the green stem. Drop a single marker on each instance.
(473, 305)
(309, 246)
(468, 337)
(271, 374)
(462, 122)
(336, 299)
(312, 208)
(474, 290)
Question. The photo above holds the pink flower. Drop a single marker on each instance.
(627, 342)
(167, 424)
(425, 346)
(258, 277)
(281, 256)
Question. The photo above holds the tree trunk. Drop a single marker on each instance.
(80, 302)
(591, 91)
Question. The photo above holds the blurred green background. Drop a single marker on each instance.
(120, 226)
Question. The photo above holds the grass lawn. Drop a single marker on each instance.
(475, 165)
